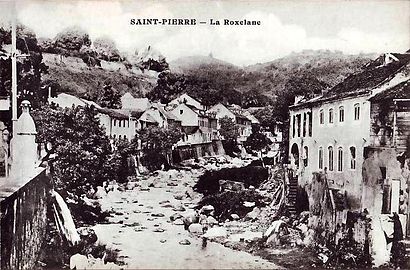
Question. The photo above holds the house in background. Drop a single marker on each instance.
(128, 102)
(118, 124)
(353, 138)
(237, 115)
(192, 117)
(157, 115)
(185, 98)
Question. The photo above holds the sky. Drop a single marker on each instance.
(286, 26)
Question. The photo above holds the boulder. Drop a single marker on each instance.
(235, 217)
(275, 228)
(178, 222)
(184, 242)
(87, 235)
(79, 261)
(195, 228)
(253, 215)
(212, 221)
(216, 232)
(175, 217)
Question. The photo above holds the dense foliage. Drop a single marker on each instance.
(229, 131)
(169, 86)
(81, 147)
(157, 143)
(257, 141)
(109, 97)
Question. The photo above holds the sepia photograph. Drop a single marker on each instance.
(176, 134)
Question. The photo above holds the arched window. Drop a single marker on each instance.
(357, 111)
(330, 116)
(340, 159)
(330, 157)
(320, 158)
(353, 158)
(305, 156)
(341, 114)
(321, 117)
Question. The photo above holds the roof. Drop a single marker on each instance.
(167, 114)
(400, 91)
(119, 114)
(139, 104)
(149, 119)
(373, 75)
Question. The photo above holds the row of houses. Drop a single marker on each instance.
(200, 127)
(356, 138)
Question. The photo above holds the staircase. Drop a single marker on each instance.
(292, 193)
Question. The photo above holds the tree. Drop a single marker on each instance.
(169, 86)
(229, 131)
(106, 49)
(110, 97)
(81, 147)
(72, 39)
(157, 145)
(257, 141)
(30, 68)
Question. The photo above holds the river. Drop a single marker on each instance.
(140, 228)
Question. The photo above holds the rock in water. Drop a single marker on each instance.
(216, 232)
(184, 242)
(253, 215)
(195, 228)
(79, 261)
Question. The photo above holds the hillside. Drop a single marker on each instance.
(187, 63)
(270, 78)
(72, 75)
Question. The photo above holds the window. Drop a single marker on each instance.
(330, 116)
(305, 156)
(352, 158)
(119, 123)
(330, 155)
(299, 118)
(310, 123)
(340, 159)
(321, 117)
(357, 111)
(320, 158)
(293, 126)
(181, 111)
(115, 122)
(341, 114)
(304, 124)
(128, 123)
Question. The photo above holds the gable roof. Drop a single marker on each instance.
(399, 91)
(374, 75)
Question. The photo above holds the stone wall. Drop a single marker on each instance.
(198, 150)
(23, 222)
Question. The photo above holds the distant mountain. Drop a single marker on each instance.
(262, 81)
(188, 63)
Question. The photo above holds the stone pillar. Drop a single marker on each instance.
(24, 146)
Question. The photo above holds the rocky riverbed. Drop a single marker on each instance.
(146, 226)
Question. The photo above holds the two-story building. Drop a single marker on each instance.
(237, 115)
(356, 136)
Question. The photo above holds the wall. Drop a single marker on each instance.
(198, 150)
(23, 222)
(187, 116)
(344, 134)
